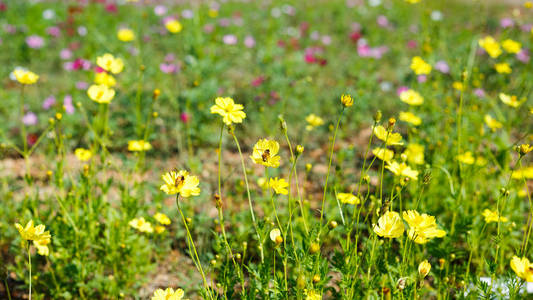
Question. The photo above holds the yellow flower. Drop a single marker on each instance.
(139, 146)
(419, 66)
(230, 112)
(168, 294)
(180, 183)
(409, 117)
(141, 225)
(162, 218)
(275, 236)
(528, 4)
(411, 97)
(100, 93)
(173, 26)
(25, 77)
(83, 154)
(279, 185)
(422, 228)
(109, 63)
(313, 295)
(511, 46)
(159, 229)
(424, 268)
(412, 1)
(346, 100)
(125, 35)
(492, 123)
(492, 216)
(523, 268)
(491, 46)
(503, 68)
(526, 172)
(348, 198)
(524, 149)
(313, 121)
(105, 79)
(458, 86)
(510, 100)
(42, 247)
(389, 225)
(383, 153)
(401, 169)
(33, 233)
(390, 138)
(466, 158)
(415, 154)
(265, 153)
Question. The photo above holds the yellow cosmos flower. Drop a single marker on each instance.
(33, 233)
(348, 198)
(101, 93)
(511, 46)
(409, 117)
(162, 218)
(390, 138)
(141, 225)
(523, 268)
(492, 123)
(415, 154)
(105, 79)
(313, 295)
(389, 225)
(25, 77)
(526, 172)
(510, 100)
(401, 169)
(168, 294)
(173, 26)
(383, 153)
(424, 268)
(109, 63)
(411, 97)
(466, 158)
(491, 46)
(139, 146)
(492, 216)
(180, 183)
(503, 68)
(346, 100)
(230, 112)
(419, 66)
(159, 229)
(42, 247)
(275, 236)
(458, 86)
(125, 35)
(422, 228)
(83, 154)
(265, 153)
(279, 185)
(313, 121)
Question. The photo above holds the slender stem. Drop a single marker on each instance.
(29, 265)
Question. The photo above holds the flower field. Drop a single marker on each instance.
(269, 149)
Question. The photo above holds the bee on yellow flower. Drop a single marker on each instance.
(109, 63)
(105, 79)
(415, 154)
(409, 117)
(100, 93)
(25, 77)
(492, 216)
(348, 198)
(422, 228)
(492, 123)
(402, 169)
(313, 121)
(390, 138)
(83, 154)
(180, 183)
(491, 46)
(419, 66)
(168, 294)
(141, 225)
(265, 153)
(383, 153)
(523, 268)
(412, 97)
(229, 110)
(279, 185)
(162, 218)
(125, 35)
(389, 225)
(503, 68)
(139, 146)
(511, 46)
(510, 100)
(173, 26)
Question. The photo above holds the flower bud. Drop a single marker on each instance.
(314, 248)
(424, 268)
(333, 224)
(346, 100)
(377, 116)
(316, 278)
(299, 149)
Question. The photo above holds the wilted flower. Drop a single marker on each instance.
(265, 153)
(389, 225)
(229, 110)
(279, 185)
(180, 183)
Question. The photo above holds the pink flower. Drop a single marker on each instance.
(506, 23)
(326, 39)
(229, 39)
(53, 31)
(49, 102)
(422, 78)
(383, 21)
(526, 27)
(258, 81)
(82, 85)
(65, 54)
(184, 117)
(35, 41)
(411, 44)
(401, 89)
(479, 92)
(187, 14)
(249, 41)
(523, 55)
(111, 8)
(355, 36)
(160, 10)
(442, 67)
(168, 68)
(363, 50)
(29, 118)
(67, 104)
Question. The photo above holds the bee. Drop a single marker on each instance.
(179, 180)
(266, 155)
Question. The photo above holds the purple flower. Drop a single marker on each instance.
(249, 41)
(53, 31)
(442, 67)
(49, 102)
(506, 23)
(67, 104)
(421, 78)
(383, 21)
(523, 55)
(29, 118)
(401, 89)
(82, 85)
(187, 14)
(35, 41)
(526, 27)
(229, 39)
(168, 68)
(224, 22)
(65, 54)
(160, 10)
(479, 92)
